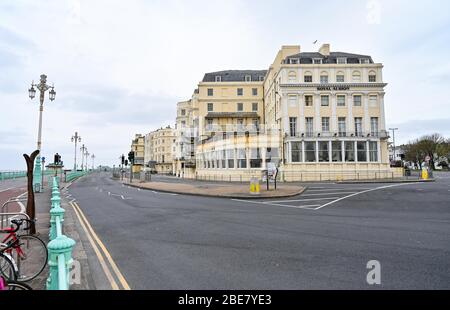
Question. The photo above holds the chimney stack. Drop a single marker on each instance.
(325, 50)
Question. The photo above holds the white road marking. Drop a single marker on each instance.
(297, 200)
(4, 190)
(306, 195)
(337, 189)
(358, 193)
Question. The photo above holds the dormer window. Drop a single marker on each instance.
(248, 78)
(295, 61)
(218, 78)
(363, 60)
(261, 78)
(341, 60)
(317, 61)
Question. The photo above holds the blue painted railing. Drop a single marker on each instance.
(60, 246)
(8, 175)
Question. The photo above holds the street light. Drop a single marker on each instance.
(393, 139)
(42, 87)
(93, 158)
(76, 138)
(87, 157)
(83, 149)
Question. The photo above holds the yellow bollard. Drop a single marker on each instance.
(424, 174)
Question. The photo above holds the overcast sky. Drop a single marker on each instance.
(119, 67)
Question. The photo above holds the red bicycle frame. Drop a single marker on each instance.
(12, 238)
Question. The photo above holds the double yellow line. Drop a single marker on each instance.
(101, 252)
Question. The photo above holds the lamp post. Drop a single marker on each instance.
(76, 138)
(393, 140)
(87, 158)
(83, 149)
(42, 87)
(93, 158)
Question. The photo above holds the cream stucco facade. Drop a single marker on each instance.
(159, 150)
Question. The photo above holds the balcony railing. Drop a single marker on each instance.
(341, 134)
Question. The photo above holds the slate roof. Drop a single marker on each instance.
(235, 75)
(307, 58)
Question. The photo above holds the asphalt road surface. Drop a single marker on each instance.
(322, 239)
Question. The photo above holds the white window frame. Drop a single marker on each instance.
(340, 59)
(317, 59)
(218, 78)
(248, 78)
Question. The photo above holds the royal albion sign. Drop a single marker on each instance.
(330, 88)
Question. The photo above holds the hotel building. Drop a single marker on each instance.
(159, 150)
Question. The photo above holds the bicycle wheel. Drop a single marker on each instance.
(34, 258)
(7, 267)
(17, 286)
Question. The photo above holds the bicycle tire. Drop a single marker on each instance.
(28, 273)
(7, 268)
(17, 286)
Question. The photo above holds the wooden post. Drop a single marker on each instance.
(31, 208)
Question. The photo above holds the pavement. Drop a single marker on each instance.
(320, 239)
(219, 189)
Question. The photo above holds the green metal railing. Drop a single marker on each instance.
(60, 246)
(8, 175)
(75, 174)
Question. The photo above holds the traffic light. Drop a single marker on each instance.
(123, 159)
(131, 157)
(126, 162)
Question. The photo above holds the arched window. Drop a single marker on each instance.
(356, 76)
(340, 77)
(372, 76)
(323, 77)
(292, 77)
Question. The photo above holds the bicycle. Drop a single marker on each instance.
(11, 285)
(8, 267)
(27, 247)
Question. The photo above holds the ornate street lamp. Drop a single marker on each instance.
(83, 149)
(42, 87)
(76, 138)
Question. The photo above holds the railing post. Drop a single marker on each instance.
(60, 245)
(56, 214)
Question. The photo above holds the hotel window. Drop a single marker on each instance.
(248, 78)
(361, 150)
(209, 123)
(358, 126)
(294, 61)
(240, 107)
(183, 124)
(341, 60)
(240, 91)
(183, 112)
(341, 126)
(357, 100)
(325, 101)
(341, 101)
(324, 79)
(261, 78)
(218, 78)
(255, 91)
(255, 123)
(308, 78)
(317, 61)
(324, 154)
(210, 92)
(293, 126)
(210, 107)
(230, 158)
(309, 126)
(373, 151)
(310, 151)
(340, 78)
(272, 155)
(308, 101)
(356, 77)
(325, 124)
(241, 158)
(255, 158)
(336, 151)
(296, 152)
(292, 77)
(372, 78)
(374, 126)
(255, 106)
(364, 60)
(349, 151)
(373, 101)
